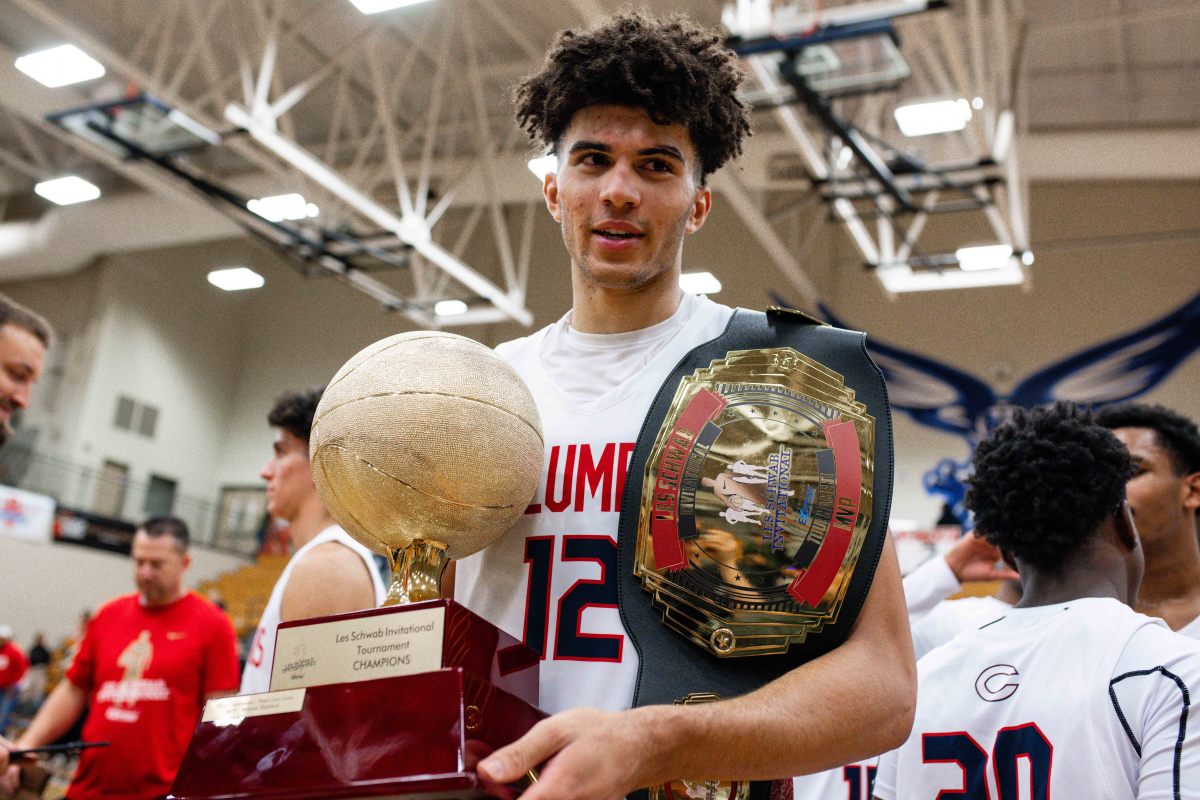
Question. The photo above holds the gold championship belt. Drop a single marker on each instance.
(755, 513)
(756, 502)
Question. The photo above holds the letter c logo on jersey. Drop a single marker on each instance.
(997, 683)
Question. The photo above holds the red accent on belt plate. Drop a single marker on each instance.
(668, 549)
(811, 584)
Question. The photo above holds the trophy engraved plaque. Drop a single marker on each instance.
(426, 446)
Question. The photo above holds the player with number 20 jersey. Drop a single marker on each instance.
(1070, 693)
(1079, 699)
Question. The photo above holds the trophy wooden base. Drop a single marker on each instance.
(413, 736)
(405, 736)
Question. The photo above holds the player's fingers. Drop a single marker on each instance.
(513, 762)
(10, 778)
(565, 778)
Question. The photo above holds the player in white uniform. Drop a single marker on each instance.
(971, 559)
(1165, 495)
(330, 572)
(1071, 693)
(935, 621)
(639, 112)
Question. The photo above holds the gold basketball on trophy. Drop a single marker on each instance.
(426, 446)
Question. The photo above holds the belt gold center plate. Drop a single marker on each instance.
(756, 500)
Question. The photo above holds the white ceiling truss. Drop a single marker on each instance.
(881, 187)
(399, 125)
(373, 143)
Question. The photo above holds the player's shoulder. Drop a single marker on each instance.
(337, 554)
(115, 606)
(330, 563)
(1155, 647)
(706, 311)
(1153, 683)
(965, 645)
(942, 657)
(1191, 630)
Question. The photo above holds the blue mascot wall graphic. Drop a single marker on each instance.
(946, 398)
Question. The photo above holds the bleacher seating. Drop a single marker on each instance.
(245, 592)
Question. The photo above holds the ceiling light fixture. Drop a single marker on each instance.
(379, 6)
(280, 207)
(449, 308)
(67, 190)
(235, 279)
(935, 116)
(983, 257)
(543, 166)
(699, 283)
(60, 66)
(900, 278)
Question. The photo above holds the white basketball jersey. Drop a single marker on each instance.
(953, 617)
(946, 620)
(256, 677)
(552, 580)
(1085, 699)
(851, 782)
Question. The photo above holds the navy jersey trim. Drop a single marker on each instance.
(1183, 715)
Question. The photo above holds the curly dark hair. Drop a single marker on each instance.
(1176, 434)
(294, 411)
(1045, 481)
(678, 71)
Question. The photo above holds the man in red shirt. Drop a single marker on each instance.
(13, 664)
(147, 662)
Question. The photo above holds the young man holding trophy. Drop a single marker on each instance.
(670, 515)
(639, 112)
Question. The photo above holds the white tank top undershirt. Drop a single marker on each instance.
(256, 677)
(611, 358)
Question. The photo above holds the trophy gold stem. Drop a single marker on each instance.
(416, 572)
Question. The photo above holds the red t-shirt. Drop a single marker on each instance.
(147, 671)
(13, 664)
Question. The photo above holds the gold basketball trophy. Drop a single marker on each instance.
(425, 447)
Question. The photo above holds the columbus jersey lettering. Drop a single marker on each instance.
(578, 474)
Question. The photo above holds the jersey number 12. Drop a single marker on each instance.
(569, 642)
